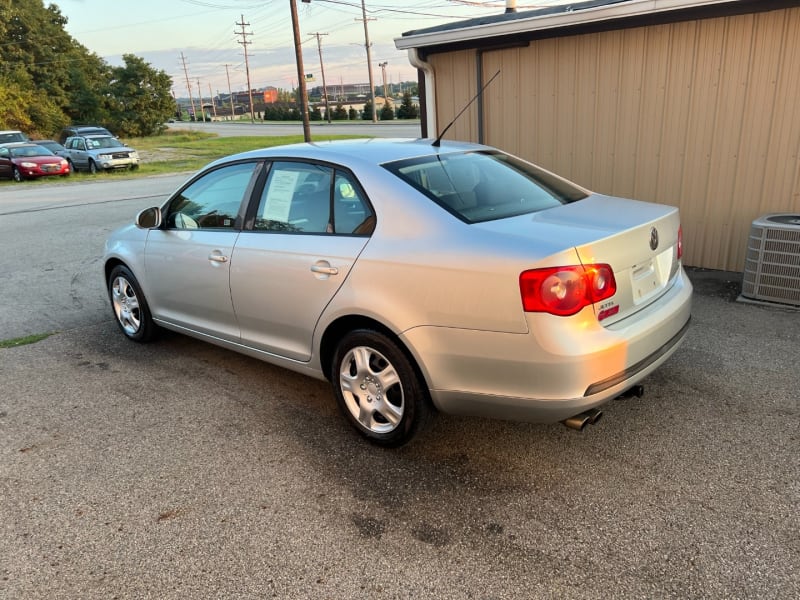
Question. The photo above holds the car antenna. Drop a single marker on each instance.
(437, 142)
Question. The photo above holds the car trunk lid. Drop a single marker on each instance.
(637, 239)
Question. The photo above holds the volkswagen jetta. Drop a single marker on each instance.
(414, 277)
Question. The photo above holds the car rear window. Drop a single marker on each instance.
(485, 185)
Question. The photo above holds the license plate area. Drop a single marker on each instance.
(645, 281)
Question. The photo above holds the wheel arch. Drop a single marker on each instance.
(110, 264)
(341, 326)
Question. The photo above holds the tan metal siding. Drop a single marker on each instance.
(699, 114)
(456, 85)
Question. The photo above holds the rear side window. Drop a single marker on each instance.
(302, 197)
(484, 186)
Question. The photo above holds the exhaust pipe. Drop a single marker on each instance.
(579, 422)
(636, 391)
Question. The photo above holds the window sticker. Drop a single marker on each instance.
(279, 195)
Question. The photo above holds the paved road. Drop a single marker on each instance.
(180, 470)
(409, 129)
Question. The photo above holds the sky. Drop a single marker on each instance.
(194, 40)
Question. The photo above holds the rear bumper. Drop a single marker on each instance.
(560, 368)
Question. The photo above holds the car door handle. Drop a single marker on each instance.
(324, 270)
(218, 258)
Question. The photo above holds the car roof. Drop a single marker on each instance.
(373, 151)
(86, 128)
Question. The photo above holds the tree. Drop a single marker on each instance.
(407, 108)
(366, 114)
(33, 54)
(315, 114)
(340, 114)
(352, 114)
(47, 79)
(387, 112)
(140, 97)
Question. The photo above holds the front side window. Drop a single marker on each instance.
(213, 200)
(303, 197)
(484, 186)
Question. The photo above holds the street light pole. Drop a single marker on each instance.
(383, 72)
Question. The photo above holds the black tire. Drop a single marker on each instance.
(16, 174)
(72, 168)
(129, 306)
(378, 389)
(92, 167)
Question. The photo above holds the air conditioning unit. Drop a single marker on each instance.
(772, 265)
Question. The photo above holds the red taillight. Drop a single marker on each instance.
(565, 291)
(680, 242)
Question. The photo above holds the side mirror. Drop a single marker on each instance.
(149, 218)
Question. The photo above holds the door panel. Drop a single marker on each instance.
(281, 283)
(188, 279)
(188, 261)
(311, 223)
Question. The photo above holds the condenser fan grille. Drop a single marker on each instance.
(772, 265)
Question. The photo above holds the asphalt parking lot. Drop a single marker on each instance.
(180, 470)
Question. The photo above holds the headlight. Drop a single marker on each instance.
(104, 157)
(28, 165)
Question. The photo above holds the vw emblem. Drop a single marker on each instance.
(653, 238)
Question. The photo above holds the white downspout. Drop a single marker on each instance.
(430, 90)
(511, 6)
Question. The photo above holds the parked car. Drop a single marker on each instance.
(99, 152)
(412, 277)
(28, 161)
(76, 130)
(12, 136)
(51, 145)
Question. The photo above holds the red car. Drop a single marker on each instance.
(28, 161)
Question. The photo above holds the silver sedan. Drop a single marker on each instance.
(414, 277)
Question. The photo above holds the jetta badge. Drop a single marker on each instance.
(653, 238)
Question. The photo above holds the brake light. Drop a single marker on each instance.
(564, 291)
(680, 242)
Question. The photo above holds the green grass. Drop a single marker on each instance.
(184, 150)
(23, 341)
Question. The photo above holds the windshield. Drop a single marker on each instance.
(485, 185)
(23, 151)
(103, 142)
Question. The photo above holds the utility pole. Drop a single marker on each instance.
(244, 43)
(188, 85)
(211, 96)
(230, 93)
(322, 69)
(367, 45)
(301, 74)
(200, 96)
